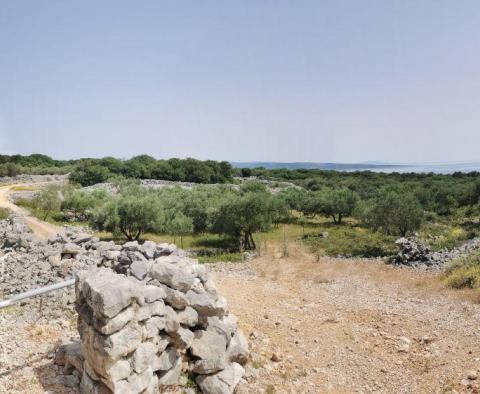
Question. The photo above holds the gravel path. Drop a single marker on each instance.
(42, 230)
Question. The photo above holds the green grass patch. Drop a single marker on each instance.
(21, 188)
(351, 241)
(222, 257)
(348, 240)
(4, 213)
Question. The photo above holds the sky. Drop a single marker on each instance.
(271, 80)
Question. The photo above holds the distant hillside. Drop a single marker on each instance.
(321, 166)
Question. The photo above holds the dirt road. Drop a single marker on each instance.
(40, 228)
(351, 326)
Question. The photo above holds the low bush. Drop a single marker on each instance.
(441, 235)
(464, 272)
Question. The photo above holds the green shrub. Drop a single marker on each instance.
(464, 272)
(394, 212)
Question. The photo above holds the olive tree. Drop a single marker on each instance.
(132, 212)
(180, 225)
(338, 203)
(47, 201)
(241, 215)
(81, 203)
(279, 210)
(394, 212)
(334, 203)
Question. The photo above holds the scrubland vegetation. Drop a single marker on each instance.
(333, 213)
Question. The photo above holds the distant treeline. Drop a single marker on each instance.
(438, 193)
(33, 164)
(91, 171)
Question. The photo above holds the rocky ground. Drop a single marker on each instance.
(313, 327)
(346, 326)
(338, 326)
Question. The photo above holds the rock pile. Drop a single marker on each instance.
(414, 253)
(30, 178)
(139, 335)
(27, 262)
(148, 315)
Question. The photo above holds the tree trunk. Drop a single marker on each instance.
(137, 236)
(246, 241)
(252, 241)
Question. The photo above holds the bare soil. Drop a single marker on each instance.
(345, 326)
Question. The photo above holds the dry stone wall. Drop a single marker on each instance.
(149, 317)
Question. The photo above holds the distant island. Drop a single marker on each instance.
(312, 165)
(439, 168)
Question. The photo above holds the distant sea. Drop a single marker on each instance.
(438, 168)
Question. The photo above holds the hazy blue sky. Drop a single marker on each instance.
(343, 81)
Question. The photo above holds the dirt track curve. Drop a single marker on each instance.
(40, 228)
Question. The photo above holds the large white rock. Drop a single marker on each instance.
(208, 344)
(238, 349)
(109, 326)
(172, 276)
(207, 304)
(143, 356)
(188, 317)
(223, 382)
(106, 294)
(124, 341)
(171, 376)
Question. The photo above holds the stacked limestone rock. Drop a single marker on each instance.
(148, 314)
(27, 262)
(158, 320)
(414, 253)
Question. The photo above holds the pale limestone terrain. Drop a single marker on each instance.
(328, 326)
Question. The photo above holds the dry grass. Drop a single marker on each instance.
(22, 188)
(43, 333)
(300, 265)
